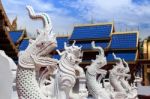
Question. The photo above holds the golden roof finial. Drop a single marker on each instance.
(92, 20)
(14, 24)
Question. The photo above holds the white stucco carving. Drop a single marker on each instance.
(59, 77)
(66, 75)
(34, 57)
(61, 83)
(119, 80)
(92, 71)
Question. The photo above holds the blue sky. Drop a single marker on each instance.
(127, 14)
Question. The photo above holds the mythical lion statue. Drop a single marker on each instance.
(66, 75)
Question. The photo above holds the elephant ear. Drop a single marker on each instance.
(6, 77)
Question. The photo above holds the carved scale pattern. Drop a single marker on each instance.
(27, 84)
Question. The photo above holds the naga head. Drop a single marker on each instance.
(120, 64)
(100, 58)
(99, 62)
(127, 70)
(74, 52)
(46, 39)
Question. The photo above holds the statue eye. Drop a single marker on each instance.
(42, 43)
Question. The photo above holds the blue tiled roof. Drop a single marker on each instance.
(124, 41)
(127, 56)
(60, 42)
(15, 35)
(56, 56)
(87, 45)
(91, 32)
(24, 44)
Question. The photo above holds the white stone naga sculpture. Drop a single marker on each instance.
(131, 91)
(124, 79)
(66, 74)
(62, 74)
(91, 75)
(60, 84)
(35, 56)
(118, 78)
(115, 74)
(83, 93)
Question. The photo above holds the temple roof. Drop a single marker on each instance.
(124, 40)
(6, 20)
(24, 44)
(7, 41)
(16, 36)
(124, 45)
(92, 31)
(60, 42)
(129, 56)
(56, 56)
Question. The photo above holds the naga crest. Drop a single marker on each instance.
(38, 50)
(46, 39)
(73, 52)
(100, 58)
(121, 64)
(99, 62)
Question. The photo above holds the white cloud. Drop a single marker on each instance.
(62, 22)
(125, 13)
